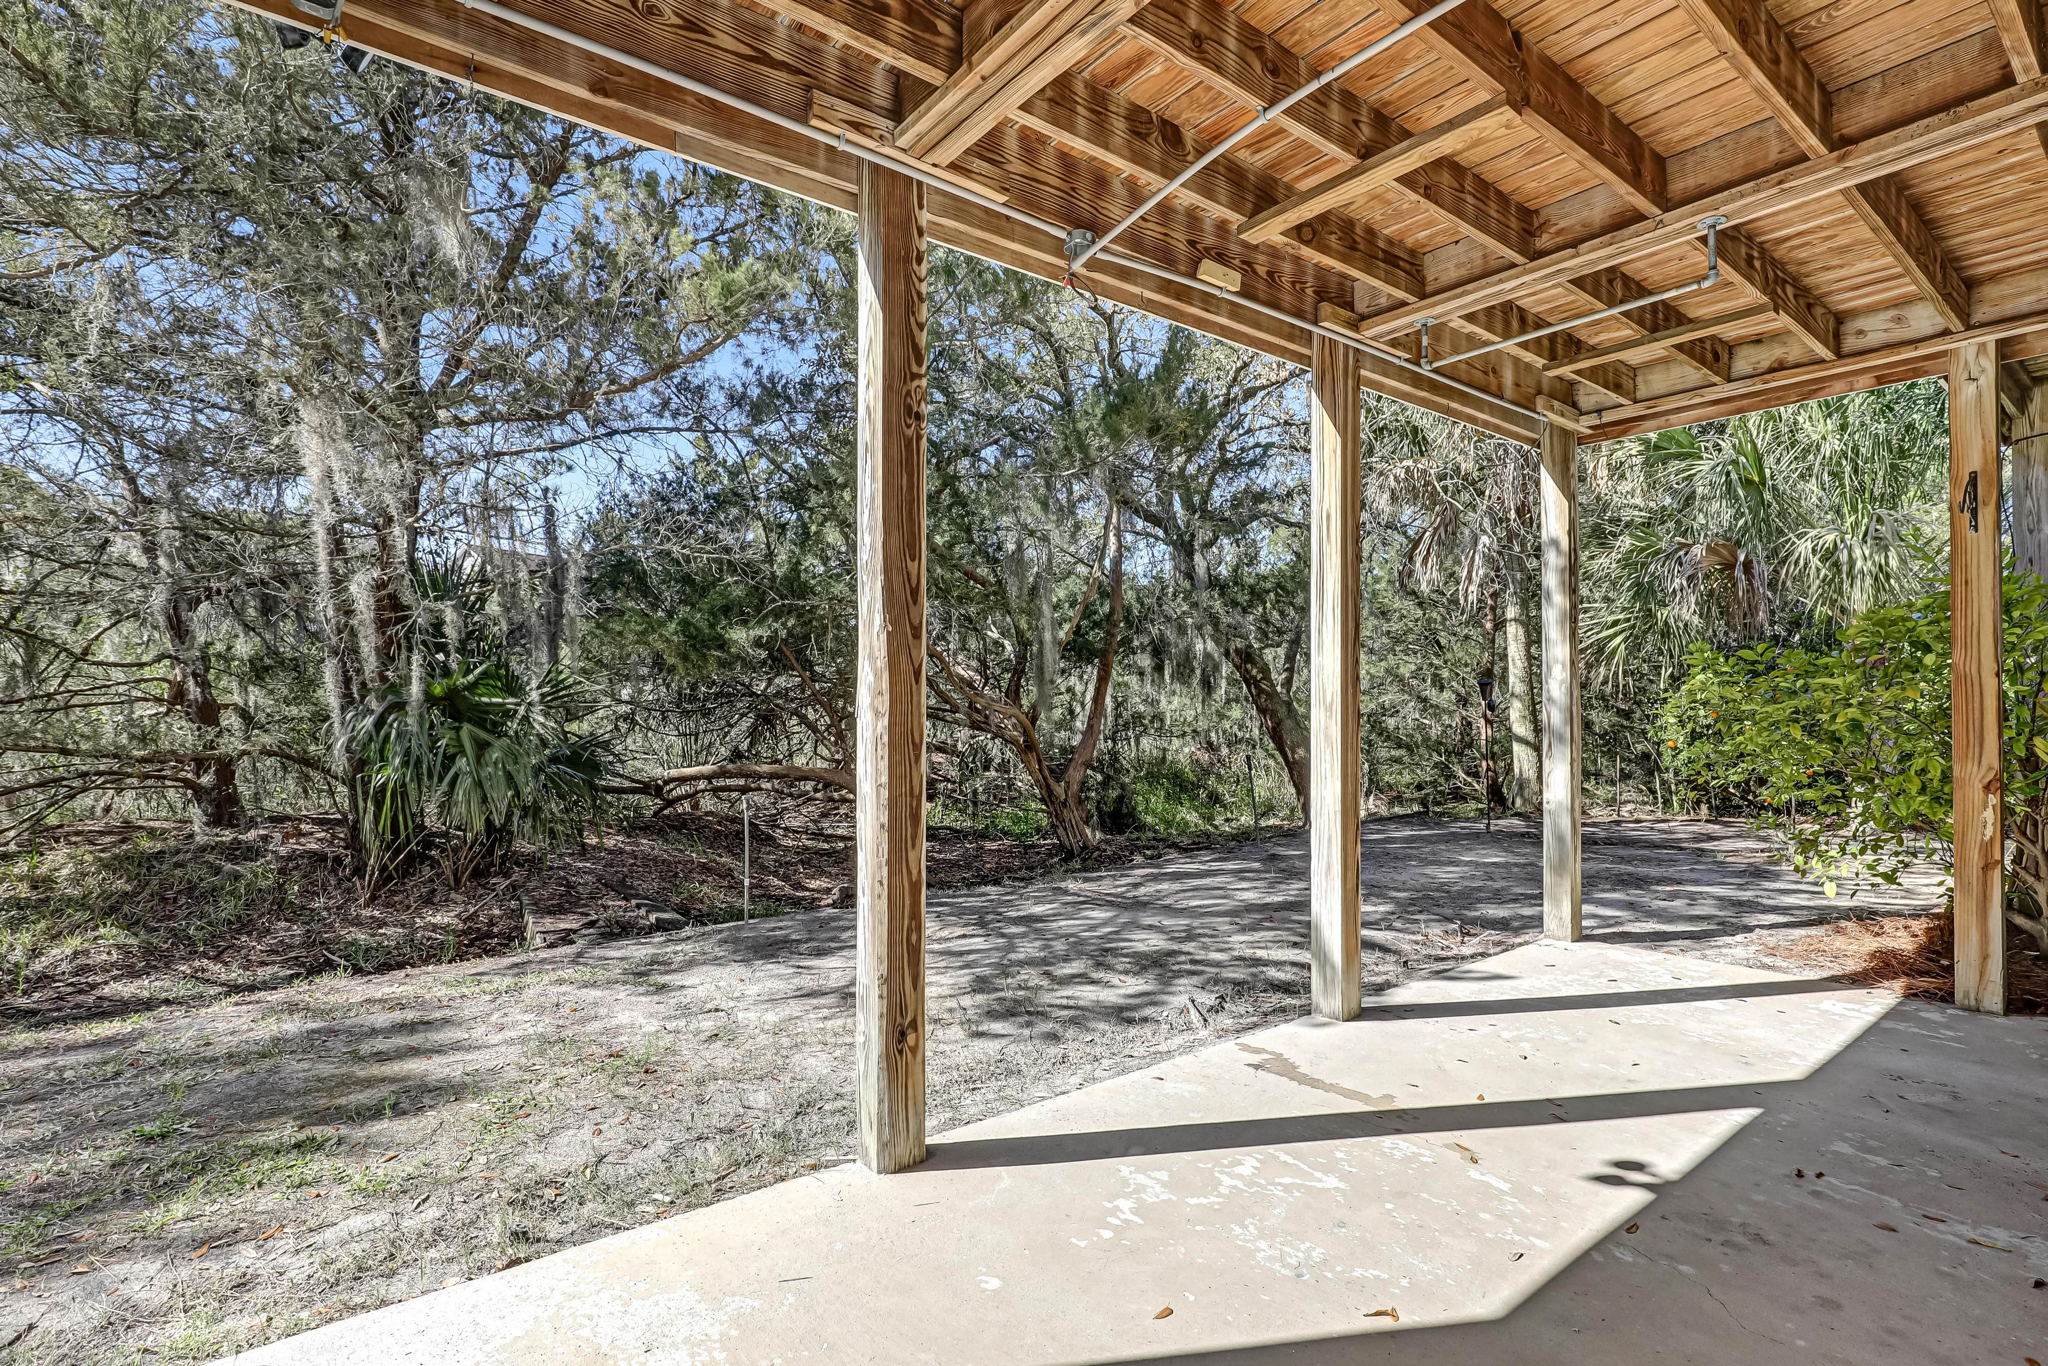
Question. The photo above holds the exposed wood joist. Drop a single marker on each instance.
(1039, 41)
(2025, 34)
(1251, 66)
(1446, 139)
(1752, 41)
(1915, 143)
(1811, 320)
(1083, 114)
(1610, 286)
(1497, 322)
(1652, 344)
(1487, 50)
(2019, 337)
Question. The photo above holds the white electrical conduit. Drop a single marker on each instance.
(900, 162)
(1710, 225)
(1260, 120)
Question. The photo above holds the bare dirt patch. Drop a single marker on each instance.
(196, 1179)
(111, 917)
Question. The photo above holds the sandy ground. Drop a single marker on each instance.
(191, 1181)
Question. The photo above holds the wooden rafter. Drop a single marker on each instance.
(1652, 344)
(1812, 321)
(2025, 34)
(878, 56)
(1083, 114)
(1040, 40)
(1487, 50)
(1444, 140)
(1610, 286)
(2019, 337)
(1252, 67)
(1914, 144)
(1752, 41)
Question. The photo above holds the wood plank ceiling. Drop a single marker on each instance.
(1515, 163)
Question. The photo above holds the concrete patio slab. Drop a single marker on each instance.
(1566, 1153)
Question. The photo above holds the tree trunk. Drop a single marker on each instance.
(1525, 771)
(1276, 711)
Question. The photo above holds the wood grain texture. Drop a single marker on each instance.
(1915, 358)
(1040, 40)
(1976, 704)
(2026, 437)
(1446, 139)
(1751, 40)
(1743, 261)
(1082, 114)
(2025, 35)
(889, 767)
(1951, 131)
(1485, 47)
(1255, 69)
(1610, 285)
(1654, 343)
(1333, 815)
(1562, 913)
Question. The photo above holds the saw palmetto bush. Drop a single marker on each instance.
(467, 766)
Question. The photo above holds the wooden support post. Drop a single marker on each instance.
(889, 770)
(1561, 757)
(2026, 436)
(1976, 704)
(1334, 966)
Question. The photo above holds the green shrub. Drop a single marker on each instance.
(1855, 740)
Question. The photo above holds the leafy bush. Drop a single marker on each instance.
(1855, 740)
(478, 761)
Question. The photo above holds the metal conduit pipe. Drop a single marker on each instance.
(1263, 117)
(1711, 225)
(900, 162)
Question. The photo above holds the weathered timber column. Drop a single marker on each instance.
(890, 696)
(2027, 437)
(1333, 681)
(1561, 913)
(1976, 705)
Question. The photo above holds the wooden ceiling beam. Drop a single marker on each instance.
(2020, 337)
(1610, 286)
(1040, 40)
(1656, 343)
(1487, 50)
(1335, 191)
(1252, 67)
(1923, 140)
(1083, 114)
(2024, 32)
(1752, 41)
(1500, 321)
(1743, 261)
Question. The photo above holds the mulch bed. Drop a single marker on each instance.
(1913, 955)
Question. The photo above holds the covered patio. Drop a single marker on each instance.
(1564, 224)
(1561, 1154)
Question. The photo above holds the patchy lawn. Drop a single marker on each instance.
(199, 1178)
